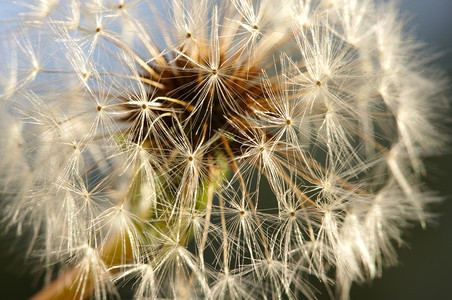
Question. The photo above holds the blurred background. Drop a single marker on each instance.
(425, 263)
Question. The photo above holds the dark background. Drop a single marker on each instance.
(425, 264)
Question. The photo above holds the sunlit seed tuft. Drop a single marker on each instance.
(238, 150)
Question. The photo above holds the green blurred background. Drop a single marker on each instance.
(425, 269)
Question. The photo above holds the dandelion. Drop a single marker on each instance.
(141, 140)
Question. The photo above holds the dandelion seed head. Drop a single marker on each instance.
(215, 149)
